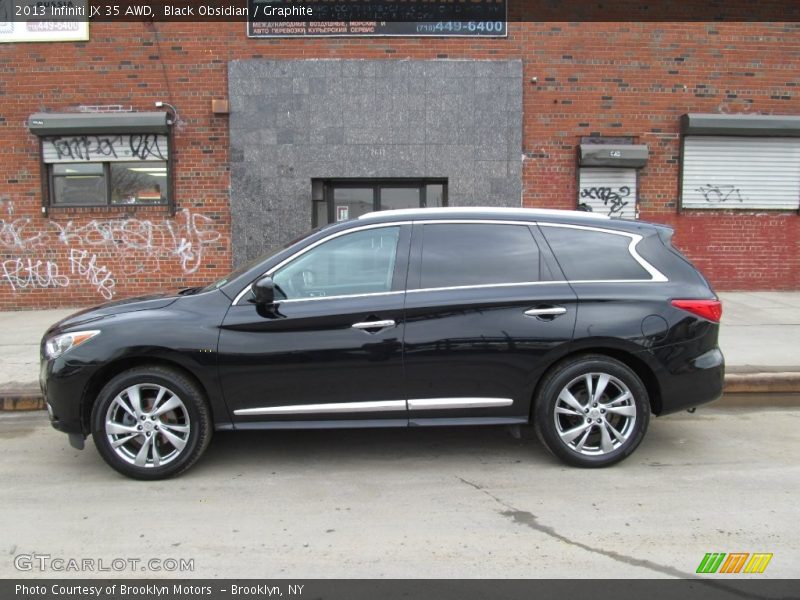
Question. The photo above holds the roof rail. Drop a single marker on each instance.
(500, 211)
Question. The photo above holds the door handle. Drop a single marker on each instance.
(374, 324)
(549, 311)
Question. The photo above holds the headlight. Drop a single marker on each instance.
(56, 346)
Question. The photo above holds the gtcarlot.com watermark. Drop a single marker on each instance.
(46, 563)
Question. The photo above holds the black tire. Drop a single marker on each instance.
(627, 418)
(179, 435)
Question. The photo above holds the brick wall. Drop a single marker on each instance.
(615, 79)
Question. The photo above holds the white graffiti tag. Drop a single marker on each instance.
(185, 239)
(84, 265)
(30, 253)
(24, 273)
(17, 233)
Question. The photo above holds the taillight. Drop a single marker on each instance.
(707, 309)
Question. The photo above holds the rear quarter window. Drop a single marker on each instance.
(588, 255)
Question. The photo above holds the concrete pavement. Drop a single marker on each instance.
(761, 331)
(468, 502)
(760, 337)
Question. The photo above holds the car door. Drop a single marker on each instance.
(330, 349)
(485, 306)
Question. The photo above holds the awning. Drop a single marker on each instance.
(98, 123)
(744, 125)
(613, 155)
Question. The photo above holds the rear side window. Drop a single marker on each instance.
(481, 254)
(586, 255)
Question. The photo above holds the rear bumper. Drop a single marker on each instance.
(690, 382)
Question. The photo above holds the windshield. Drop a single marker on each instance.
(250, 264)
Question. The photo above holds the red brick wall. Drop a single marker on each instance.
(616, 79)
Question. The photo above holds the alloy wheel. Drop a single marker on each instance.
(147, 425)
(595, 414)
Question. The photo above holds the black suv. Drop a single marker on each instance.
(580, 324)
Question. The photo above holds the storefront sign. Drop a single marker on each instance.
(473, 18)
(34, 21)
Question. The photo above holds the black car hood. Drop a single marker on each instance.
(149, 302)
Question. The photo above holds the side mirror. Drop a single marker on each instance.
(264, 291)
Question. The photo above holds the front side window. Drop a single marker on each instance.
(464, 254)
(361, 262)
(587, 255)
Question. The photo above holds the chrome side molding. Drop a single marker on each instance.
(451, 403)
(333, 407)
(379, 406)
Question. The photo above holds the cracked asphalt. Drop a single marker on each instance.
(439, 503)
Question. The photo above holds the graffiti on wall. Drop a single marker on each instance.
(720, 193)
(105, 148)
(23, 273)
(137, 245)
(611, 201)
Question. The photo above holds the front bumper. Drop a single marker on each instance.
(63, 388)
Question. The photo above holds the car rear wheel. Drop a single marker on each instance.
(591, 411)
(151, 423)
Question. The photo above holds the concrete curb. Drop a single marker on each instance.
(21, 400)
(741, 389)
(762, 383)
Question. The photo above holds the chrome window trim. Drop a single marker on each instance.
(464, 287)
(483, 285)
(527, 283)
(656, 276)
(455, 403)
(333, 407)
(581, 281)
(299, 253)
(341, 297)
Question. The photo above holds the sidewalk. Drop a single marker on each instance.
(760, 338)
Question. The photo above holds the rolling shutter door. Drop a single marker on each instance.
(104, 148)
(741, 172)
(608, 191)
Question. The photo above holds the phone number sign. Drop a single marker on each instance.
(469, 18)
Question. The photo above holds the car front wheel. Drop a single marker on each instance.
(151, 423)
(592, 411)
